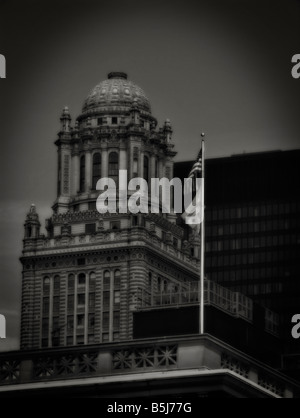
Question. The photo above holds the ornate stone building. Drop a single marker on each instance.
(81, 281)
(110, 303)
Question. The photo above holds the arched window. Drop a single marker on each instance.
(113, 166)
(96, 169)
(56, 284)
(82, 174)
(117, 293)
(106, 281)
(92, 281)
(81, 279)
(71, 282)
(46, 286)
(146, 168)
(117, 275)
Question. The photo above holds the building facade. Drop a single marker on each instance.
(80, 281)
(110, 302)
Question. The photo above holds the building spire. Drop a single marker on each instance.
(65, 119)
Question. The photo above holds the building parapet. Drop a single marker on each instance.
(31, 369)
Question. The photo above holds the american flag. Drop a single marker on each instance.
(188, 216)
(196, 171)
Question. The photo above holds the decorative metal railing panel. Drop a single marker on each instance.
(271, 385)
(143, 358)
(235, 365)
(9, 371)
(66, 365)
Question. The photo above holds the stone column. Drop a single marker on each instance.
(141, 168)
(152, 166)
(161, 168)
(88, 171)
(104, 161)
(75, 174)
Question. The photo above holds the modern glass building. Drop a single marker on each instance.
(252, 229)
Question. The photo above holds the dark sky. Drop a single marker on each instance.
(222, 67)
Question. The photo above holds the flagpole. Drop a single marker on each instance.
(202, 243)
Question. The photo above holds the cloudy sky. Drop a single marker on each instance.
(222, 67)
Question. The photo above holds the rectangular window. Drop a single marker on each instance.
(81, 261)
(56, 304)
(69, 340)
(115, 225)
(55, 324)
(80, 339)
(114, 120)
(46, 306)
(71, 283)
(70, 322)
(116, 320)
(90, 228)
(91, 301)
(105, 322)
(106, 296)
(80, 321)
(106, 282)
(100, 121)
(105, 337)
(56, 284)
(117, 297)
(117, 282)
(175, 242)
(70, 302)
(45, 327)
(92, 282)
(91, 321)
(135, 221)
(81, 299)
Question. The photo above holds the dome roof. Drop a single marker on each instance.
(116, 92)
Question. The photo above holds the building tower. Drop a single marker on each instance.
(81, 282)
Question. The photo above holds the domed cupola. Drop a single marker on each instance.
(115, 94)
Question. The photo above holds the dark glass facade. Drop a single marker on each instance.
(252, 227)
